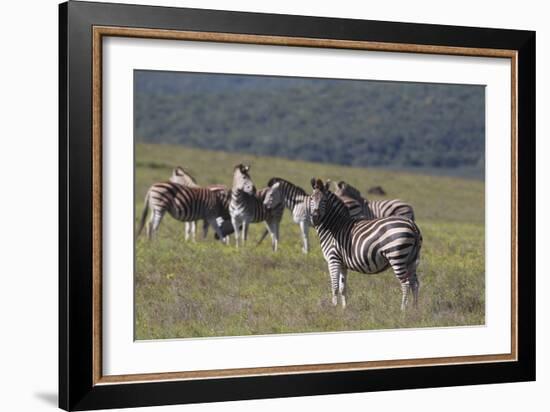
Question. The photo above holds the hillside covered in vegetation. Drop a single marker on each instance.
(346, 122)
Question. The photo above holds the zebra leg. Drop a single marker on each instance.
(402, 273)
(194, 231)
(205, 225)
(187, 230)
(334, 269)
(413, 282)
(266, 232)
(415, 286)
(273, 229)
(245, 231)
(406, 273)
(304, 228)
(405, 289)
(236, 225)
(276, 233)
(154, 223)
(342, 286)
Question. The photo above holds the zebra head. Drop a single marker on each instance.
(273, 196)
(345, 189)
(242, 180)
(318, 200)
(182, 177)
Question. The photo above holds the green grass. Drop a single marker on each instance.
(185, 289)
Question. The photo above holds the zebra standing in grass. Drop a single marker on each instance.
(187, 204)
(248, 207)
(294, 198)
(356, 208)
(365, 246)
(374, 209)
(182, 177)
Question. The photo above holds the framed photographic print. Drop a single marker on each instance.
(256, 205)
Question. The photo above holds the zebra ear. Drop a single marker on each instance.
(341, 184)
(246, 168)
(317, 184)
(177, 171)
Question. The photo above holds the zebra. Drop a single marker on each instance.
(182, 177)
(294, 198)
(248, 207)
(224, 220)
(183, 203)
(365, 246)
(373, 209)
(355, 207)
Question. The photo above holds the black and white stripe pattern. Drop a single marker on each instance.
(355, 208)
(247, 207)
(224, 220)
(365, 246)
(295, 199)
(187, 204)
(375, 209)
(182, 177)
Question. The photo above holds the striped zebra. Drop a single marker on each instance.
(365, 246)
(248, 207)
(187, 204)
(294, 198)
(373, 209)
(184, 178)
(356, 208)
(224, 220)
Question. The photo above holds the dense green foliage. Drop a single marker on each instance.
(347, 122)
(185, 289)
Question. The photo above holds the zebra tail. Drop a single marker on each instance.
(262, 238)
(416, 256)
(144, 215)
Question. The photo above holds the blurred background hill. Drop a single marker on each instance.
(429, 128)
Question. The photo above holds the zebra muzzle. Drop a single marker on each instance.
(314, 218)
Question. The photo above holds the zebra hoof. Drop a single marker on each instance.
(334, 301)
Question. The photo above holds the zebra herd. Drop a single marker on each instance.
(354, 233)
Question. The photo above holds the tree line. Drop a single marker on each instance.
(349, 122)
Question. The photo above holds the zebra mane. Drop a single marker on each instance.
(336, 213)
(345, 189)
(336, 205)
(181, 172)
(243, 169)
(274, 180)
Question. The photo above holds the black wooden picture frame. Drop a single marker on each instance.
(79, 388)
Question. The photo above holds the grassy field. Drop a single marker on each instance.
(185, 289)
